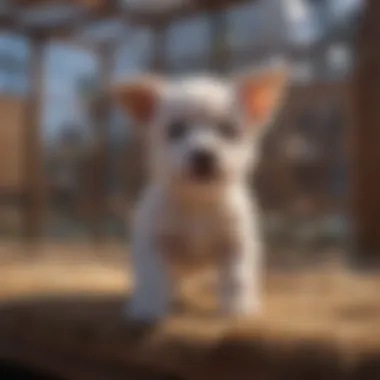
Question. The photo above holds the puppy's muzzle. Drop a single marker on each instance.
(203, 165)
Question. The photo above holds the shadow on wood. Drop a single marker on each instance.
(89, 337)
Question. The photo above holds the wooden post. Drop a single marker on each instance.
(219, 35)
(100, 167)
(158, 63)
(34, 167)
(365, 142)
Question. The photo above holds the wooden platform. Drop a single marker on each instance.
(61, 311)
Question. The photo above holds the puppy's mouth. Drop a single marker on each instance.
(203, 174)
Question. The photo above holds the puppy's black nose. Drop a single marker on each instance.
(203, 163)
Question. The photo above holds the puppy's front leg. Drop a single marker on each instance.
(240, 276)
(151, 298)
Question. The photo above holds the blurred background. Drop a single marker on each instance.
(69, 169)
(70, 175)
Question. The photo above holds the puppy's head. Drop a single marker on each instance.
(203, 131)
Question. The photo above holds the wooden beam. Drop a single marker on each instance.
(365, 138)
(88, 15)
(39, 3)
(101, 157)
(101, 10)
(34, 167)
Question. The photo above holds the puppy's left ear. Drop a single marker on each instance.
(260, 94)
(139, 98)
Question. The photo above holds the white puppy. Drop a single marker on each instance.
(202, 140)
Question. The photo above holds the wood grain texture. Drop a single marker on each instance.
(365, 137)
(62, 311)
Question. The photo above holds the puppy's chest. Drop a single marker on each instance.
(198, 231)
(199, 234)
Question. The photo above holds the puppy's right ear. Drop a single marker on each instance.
(139, 98)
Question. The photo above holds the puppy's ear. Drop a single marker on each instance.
(139, 98)
(260, 93)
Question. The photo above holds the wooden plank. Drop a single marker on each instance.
(11, 138)
(100, 167)
(75, 326)
(34, 167)
(203, 5)
(365, 138)
(39, 3)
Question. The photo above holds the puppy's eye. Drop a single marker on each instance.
(177, 130)
(229, 130)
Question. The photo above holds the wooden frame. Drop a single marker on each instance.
(89, 12)
(365, 139)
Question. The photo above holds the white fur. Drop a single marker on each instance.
(200, 213)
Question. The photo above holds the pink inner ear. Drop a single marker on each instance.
(259, 97)
(140, 102)
(258, 104)
(139, 99)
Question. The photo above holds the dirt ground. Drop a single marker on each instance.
(61, 309)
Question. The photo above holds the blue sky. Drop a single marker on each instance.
(64, 64)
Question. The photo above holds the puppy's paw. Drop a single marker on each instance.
(241, 308)
(136, 312)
